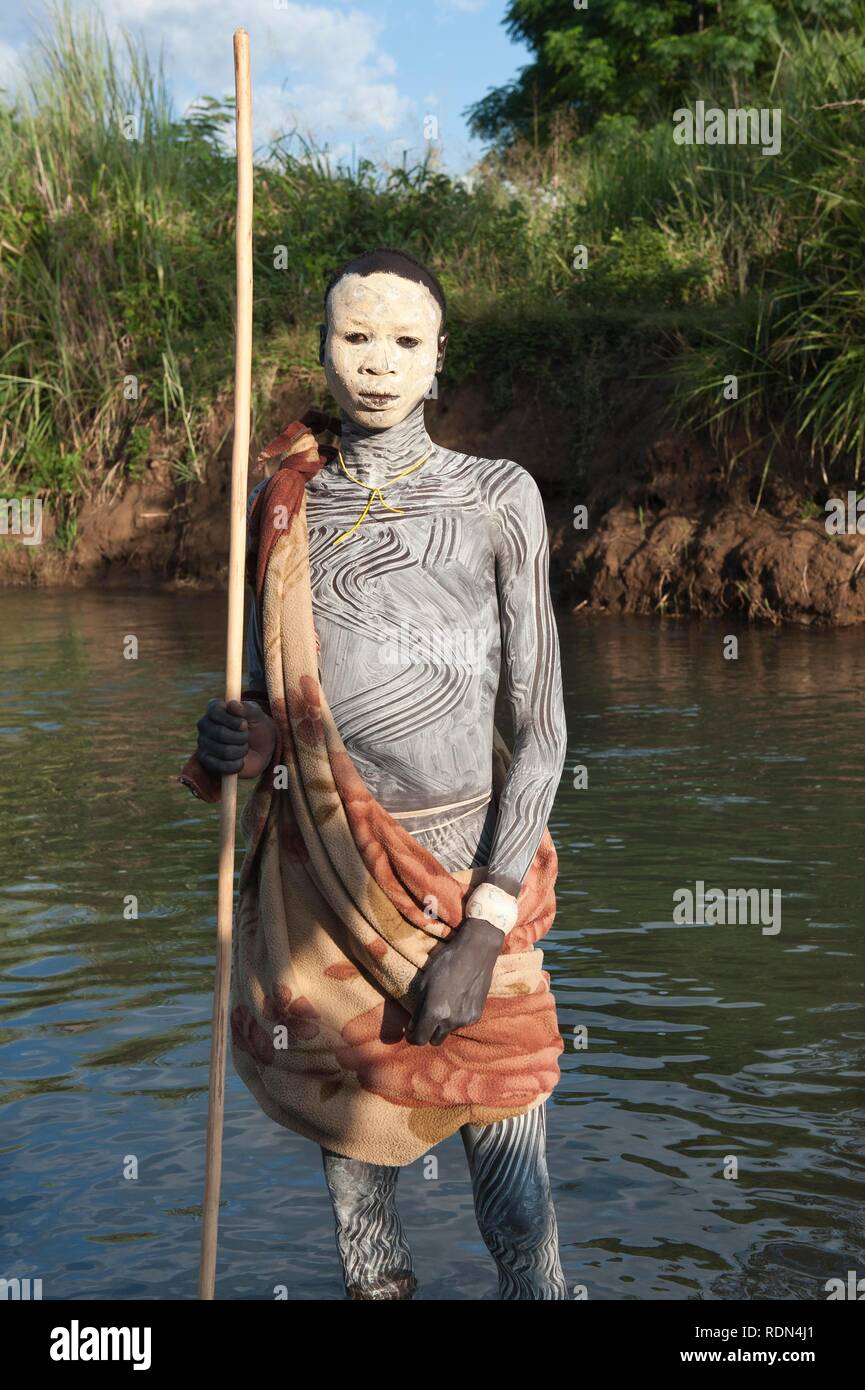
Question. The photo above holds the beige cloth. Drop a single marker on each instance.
(339, 909)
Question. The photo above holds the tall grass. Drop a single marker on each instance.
(101, 207)
(794, 333)
(116, 262)
(116, 255)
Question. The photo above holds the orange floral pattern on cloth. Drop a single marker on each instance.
(248, 1034)
(296, 1016)
(518, 1062)
(333, 928)
(304, 708)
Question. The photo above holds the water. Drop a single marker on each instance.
(704, 1042)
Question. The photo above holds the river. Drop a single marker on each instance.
(709, 1049)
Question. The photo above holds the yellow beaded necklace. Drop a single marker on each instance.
(375, 491)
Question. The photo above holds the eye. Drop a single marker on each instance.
(407, 342)
(355, 337)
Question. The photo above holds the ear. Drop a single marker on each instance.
(440, 359)
(322, 338)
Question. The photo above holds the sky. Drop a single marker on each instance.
(361, 78)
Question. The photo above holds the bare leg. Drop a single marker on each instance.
(373, 1250)
(514, 1206)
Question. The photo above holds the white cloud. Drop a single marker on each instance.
(360, 105)
(315, 66)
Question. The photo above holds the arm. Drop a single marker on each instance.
(254, 647)
(254, 650)
(532, 678)
(238, 736)
(453, 988)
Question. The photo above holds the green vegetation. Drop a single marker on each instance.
(596, 58)
(117, 269)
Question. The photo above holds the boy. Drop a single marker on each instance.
(429, 572)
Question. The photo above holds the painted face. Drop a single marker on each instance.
(382, 347)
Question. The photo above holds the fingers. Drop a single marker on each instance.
(418, 1032)
(429, 1030)
(230, 716)
(422, 1025)
(433, 1023)
(430, 1024)
(238, 709)
(221, 733)
(222, 746)
(247, 710)
(221, 766)
(223, 757)
(223, 738)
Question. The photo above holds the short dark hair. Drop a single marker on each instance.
(390, 261)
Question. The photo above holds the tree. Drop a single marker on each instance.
(634, 57)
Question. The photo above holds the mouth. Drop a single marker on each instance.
(377, 400)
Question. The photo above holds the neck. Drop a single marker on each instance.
(374, 455)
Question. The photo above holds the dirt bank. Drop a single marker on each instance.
(668, 528)
(678, 538)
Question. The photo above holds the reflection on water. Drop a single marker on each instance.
(705, 1043)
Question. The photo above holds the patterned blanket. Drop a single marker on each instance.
(340, 907)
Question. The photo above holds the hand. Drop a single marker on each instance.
(235, 737)
(454, 985)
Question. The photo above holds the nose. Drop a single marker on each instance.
(379, 359)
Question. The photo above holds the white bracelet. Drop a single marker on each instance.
(493, 905)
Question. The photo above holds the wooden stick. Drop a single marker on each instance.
(233, 660)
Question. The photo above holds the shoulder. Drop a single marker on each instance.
(497, 483)
(511, 498)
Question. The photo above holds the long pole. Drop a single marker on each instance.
(233, 661)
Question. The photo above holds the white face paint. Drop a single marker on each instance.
(382, 346)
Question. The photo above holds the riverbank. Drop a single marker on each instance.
(630, 319)
(652, 523)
